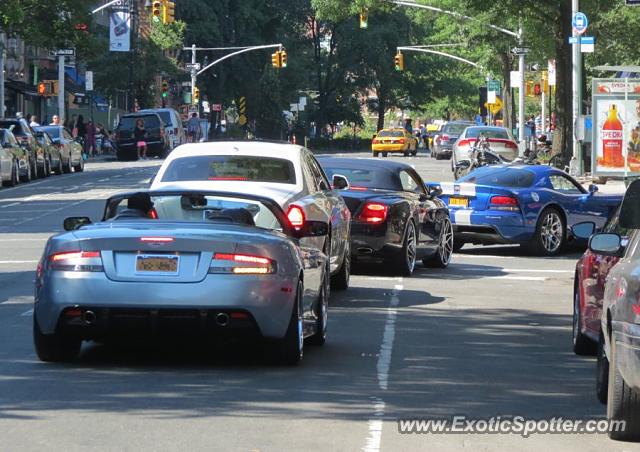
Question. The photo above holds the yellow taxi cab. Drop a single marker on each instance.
(394, 140)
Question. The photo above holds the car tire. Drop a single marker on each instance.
(13, 179)
(415, 152)
(47, 167)
(438, 156)
(28, 176)
(551, 233)
(582, 345)
(340, 281)
(623, 402)
(54, 347)
(602, 372)
(407, 153)
(405, 262)
(375, 154)
(79, 168)
(322, 307)
(66, 167)
(442, 256)
(290, 349)
(58, 169)
(385, 154)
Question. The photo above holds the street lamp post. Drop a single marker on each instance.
(576, 82)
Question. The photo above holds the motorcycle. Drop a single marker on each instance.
(480, 155)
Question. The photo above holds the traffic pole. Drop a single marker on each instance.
(2, 53)
(576, 82)
(194, 73)
(521, 94)
(543, 112)
(61, 88)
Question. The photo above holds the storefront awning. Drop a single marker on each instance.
(21, 87)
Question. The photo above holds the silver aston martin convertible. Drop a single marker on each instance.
(181, 262)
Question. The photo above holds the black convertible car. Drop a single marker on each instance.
(395, 218)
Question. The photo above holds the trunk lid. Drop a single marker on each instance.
(470, 196)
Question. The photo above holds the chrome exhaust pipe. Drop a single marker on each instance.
(222, 319)
(89, 317)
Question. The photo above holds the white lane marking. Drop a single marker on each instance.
(384, 363)
(518, 278)
(462, 216)
(509, 270)
(27, 211)
(481, 256)
(103, 180)
(375, 427)
(18, 262)
(30, 239)
(33, 184)
(13, 204)
(28, 313)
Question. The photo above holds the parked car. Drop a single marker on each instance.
(51, 151)
(499, 139)
(157, 138)
(172, 124)
(26, 138)
(395, 141)
(533, 205)
(618, 375)
(444, 138)
(591, 274)
(288, 174)
(11, 155)
(395, 218)
(210, 264)
(69, 148)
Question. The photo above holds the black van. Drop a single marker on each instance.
(157, 138)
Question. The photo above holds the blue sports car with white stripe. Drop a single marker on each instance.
(532, 205)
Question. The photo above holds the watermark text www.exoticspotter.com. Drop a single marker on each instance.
(517, 425)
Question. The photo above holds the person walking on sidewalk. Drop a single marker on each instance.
(193, 127)
(90, 146)
(140, 134)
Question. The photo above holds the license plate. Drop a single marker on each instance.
(154, 263)
(458, 202)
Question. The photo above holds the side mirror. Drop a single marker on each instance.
(583, 230)
(434, 190)
(606, 244)
(593, 188)
(312, 229)
(73, 223)
(340, 182)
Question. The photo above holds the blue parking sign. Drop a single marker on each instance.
(580, 23)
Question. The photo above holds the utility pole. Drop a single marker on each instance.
(576, 82)
(543, 112)
(521, 89)
(61, 111)
(2, 57)
(194, 71)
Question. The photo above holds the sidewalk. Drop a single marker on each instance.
(612, 187)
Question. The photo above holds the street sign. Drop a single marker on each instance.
(242, 120)
(491, 97)
(216, 107)
(64, 52)
(583, 39)
(88, 81)
(121, 5)
(514, 78)
(633, 2)
(579, 23)
(495, 107)
(493, 85)
(520, 50)
(192, 66)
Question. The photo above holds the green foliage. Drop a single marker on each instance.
(168, 36)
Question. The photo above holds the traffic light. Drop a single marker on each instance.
(545, 82)
(165, 88)
(169, 11)
(48, 88)
(283, 58)
(157, 8)
(537, 90)
(276, 59)
(399, 61)
(364, 18)
(42, 88)
(196, 95)
(529, 89)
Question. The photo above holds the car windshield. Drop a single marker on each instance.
(365, 177)
(454, 129)
(500, 177)
(53, 131)
(230, 168)
(474, 132)
(129, 122)
(166, 118)
(391, 133)
(13, 126)
(195, 208)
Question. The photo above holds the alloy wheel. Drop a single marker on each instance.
(551, 232)
(411, 247)
(446, 242)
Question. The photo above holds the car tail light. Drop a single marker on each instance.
(465, 143)
(157, 239)
(444, 138)
(77, 261)
(242, 264)
(401, 141)
(510, 145)
(296, 216)
(357, 188)
(373, 212)
(504, 203)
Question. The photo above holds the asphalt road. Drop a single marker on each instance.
(488, 336)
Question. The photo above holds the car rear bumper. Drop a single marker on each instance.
(490, 226)
(267, 299)
(389, 147)
(627, 337)
(373, 242)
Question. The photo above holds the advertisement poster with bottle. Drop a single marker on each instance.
(616, 127)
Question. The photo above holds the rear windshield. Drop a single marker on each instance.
(230, 167)
(54, 132)
(129, 122)
(474, 132)
(166, 118)
(391, 133)
(13, 126)
(454, 129)
(366, 177)
(500, 177)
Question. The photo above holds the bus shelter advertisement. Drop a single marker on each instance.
(616, 127)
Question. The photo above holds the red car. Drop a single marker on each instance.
(588, 289)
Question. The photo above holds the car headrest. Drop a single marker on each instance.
(240, 216)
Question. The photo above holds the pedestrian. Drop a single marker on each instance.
(193, 127)
(139, 134)
(90, 142)
(34, 121)
(80, 132)
(55, 121)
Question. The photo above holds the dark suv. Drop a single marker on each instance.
(38, 156)
(156, 137)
